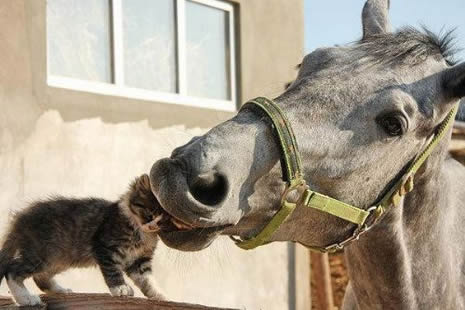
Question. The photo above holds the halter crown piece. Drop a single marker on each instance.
(295, 183)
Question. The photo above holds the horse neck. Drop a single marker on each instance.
(385, 265)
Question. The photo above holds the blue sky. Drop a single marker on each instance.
(329, 22)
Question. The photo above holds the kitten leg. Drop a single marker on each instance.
(21, 294)
(18, 271)
(49, 285)
(140, 272)
(111, 271)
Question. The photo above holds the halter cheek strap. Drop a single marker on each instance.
(293, 176)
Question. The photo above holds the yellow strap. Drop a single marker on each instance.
(264, 236)
(335, 207)
(405, 184)
(442, 130)
(401, 188)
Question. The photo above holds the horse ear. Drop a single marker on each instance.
(375, 17)
(453, 82)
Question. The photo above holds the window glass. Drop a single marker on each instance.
(149, 44)
(207, 51)
(79, 41)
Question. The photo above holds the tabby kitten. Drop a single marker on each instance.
(52, 236)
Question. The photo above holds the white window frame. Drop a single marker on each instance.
(117, 87)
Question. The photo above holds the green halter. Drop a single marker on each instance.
(293, 176)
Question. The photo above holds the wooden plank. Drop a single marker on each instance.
(104, 302)
(459, 126)
(322, 279)
(5, 301)
(456, 144)
(302, 282)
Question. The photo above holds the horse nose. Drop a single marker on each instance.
(209, 188)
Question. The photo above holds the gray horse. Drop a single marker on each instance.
(360, 113)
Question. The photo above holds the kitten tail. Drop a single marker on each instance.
(6, 256)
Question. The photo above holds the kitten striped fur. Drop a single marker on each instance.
(54, 235)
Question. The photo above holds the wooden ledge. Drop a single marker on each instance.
(102, 302)
(5, 301)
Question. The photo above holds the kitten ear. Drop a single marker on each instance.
(143, 182)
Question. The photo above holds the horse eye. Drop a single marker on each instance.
(394, 124)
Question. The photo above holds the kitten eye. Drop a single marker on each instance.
(138, 205)
(146, 216)
(394, 124)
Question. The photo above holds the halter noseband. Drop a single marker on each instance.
(295, 183)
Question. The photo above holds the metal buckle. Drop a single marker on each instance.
(298, 186)
(358, 231)
(292, 197)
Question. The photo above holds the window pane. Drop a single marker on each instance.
(149, 44)
(207, 50)
(79, 39)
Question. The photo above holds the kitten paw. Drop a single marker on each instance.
(59, 290)
(122, 290)
(29, 300)
(156, 296)
(21, 294)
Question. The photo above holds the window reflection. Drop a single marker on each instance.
(79, 43)
(207, 51)
(149, 44)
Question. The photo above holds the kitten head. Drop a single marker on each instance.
(143, 205)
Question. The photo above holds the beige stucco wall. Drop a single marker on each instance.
(56, 141)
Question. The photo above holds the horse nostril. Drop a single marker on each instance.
(209, 188)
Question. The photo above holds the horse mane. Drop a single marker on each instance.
(411, 46)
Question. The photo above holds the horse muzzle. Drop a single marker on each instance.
(194, 199)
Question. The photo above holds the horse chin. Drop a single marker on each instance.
(191, 240)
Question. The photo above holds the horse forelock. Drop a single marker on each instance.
(410, 46)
